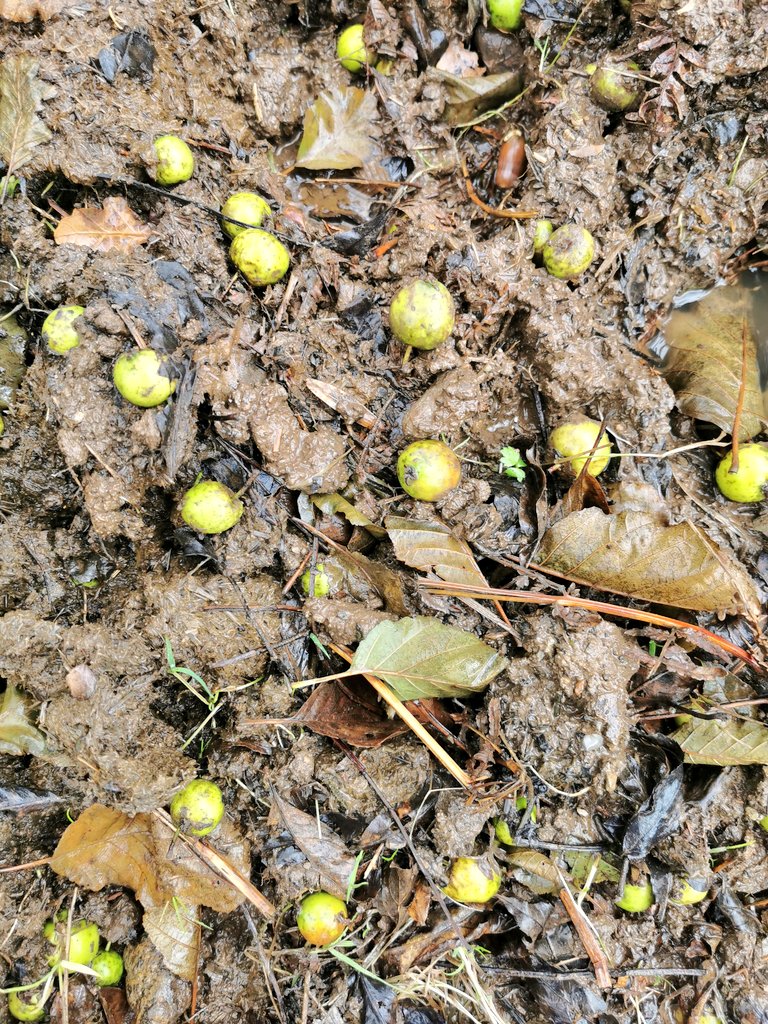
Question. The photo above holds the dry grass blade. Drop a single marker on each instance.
(221, 866)
(601, 607)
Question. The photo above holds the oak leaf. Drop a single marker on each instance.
(113, 226)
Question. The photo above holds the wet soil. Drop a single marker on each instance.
(97, 568)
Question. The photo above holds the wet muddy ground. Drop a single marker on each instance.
(98, 570)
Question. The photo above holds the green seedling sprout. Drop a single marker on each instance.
(512, 464)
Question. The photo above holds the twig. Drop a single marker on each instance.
(492, 210)
(580, 922)
(740, 403)
(221, 866)
(412, 722)
(602, 607)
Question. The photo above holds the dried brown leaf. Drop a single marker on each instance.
(324, 850)
(704, 363)
(113, 226)
(348, 710)
(432, 546)
(336, 505)
(174, 934)
(21, 98)
(466, 98)
(384, 581)
(723, 742)
(337, 130)
(17, 734)
(632, 553)
(28, 10)
(535, 871)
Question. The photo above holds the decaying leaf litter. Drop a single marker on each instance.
(617, 750)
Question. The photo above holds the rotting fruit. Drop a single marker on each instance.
(472, 880)
(83, 940)
(750, 481)
(109, 968)
(320, 585)
(247, 207)
(142, 377)
(322, 918)
(211, 507)
(636, 898)
(542, 232)
(690, 891)
(174, 160)
(568, 251)
(58, 330)
(198, 808)
(428, 469)
(261, 258)
(505, 14)
(614, 87)
(422, 314)
(25, 1006)
(575, 439)
(352, 51)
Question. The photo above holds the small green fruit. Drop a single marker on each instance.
(322, 918)
(143, 378)
(352, 51)
(322, 582)
(261, 258)
(569, 251)
(613, 89)
(636, 898)
(83, 940)
(198, 808)
(690, 891)
(472, 880)
(109, 968)
(542, 232)
(25, 1006)
(247, 207)
(211, 507)
(175, 162)
(710, 1018)
(574, 441)
(58, 332)
(763, 823)
(751, 480)
(422, 314)
(428, 469)
(505, 14)
(501, 828)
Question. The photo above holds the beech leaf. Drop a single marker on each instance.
(704, 363)
(21, 97)
(634, 554)
(420, 657)
(337, 130)
(113, 226)
(723, 742)
(17, 734)
(432, 546)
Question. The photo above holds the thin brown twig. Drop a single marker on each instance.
(602, 607)
(579, 920)
(492, 210)
(740, 403)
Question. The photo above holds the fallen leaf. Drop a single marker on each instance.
(384, 581)
(348, 710)
(337, 130)
(420, 657)
(723, 741)
(325, 851)
(582, 866)
(17, 734)
(632, 553)
(106, 847)
(457, 60)
(432, 546)
(466, 98)
(658, 817)
(335, 505)
(704, 363)
(21, 97)
(535, 871)
(113, 226)
(28, 10)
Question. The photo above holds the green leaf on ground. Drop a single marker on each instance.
(337, 130)
(723, 741)
(635, 554)
(17, 734)
(21, 97)
(420, 657)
